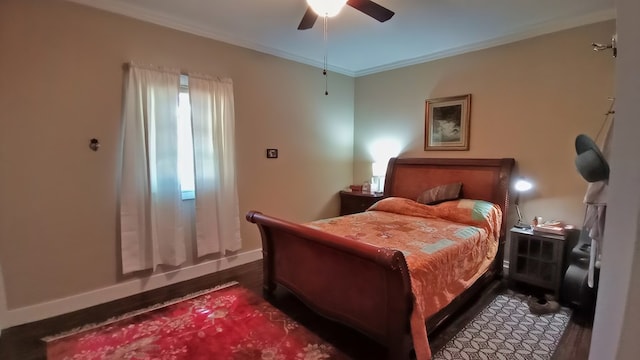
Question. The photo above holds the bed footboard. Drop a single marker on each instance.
(359, 285)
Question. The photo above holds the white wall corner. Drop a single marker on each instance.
(617, 320)
(27, 314)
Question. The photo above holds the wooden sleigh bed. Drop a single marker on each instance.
(369, 287)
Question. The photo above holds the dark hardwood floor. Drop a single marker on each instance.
(23, 342)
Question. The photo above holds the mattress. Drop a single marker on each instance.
(447, 246)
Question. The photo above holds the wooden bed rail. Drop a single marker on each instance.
(382, 256)
(352, 281)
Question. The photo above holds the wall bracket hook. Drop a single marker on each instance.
(94, 144)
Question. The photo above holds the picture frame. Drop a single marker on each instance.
(447, 123)
(272, 153)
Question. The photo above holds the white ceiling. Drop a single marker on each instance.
(421, 30)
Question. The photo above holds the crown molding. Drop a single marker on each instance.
(525, 33)
(127, 9)
(143, 14)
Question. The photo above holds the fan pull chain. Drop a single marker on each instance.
(326, 55)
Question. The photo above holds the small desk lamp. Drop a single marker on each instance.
(378, 171)
(521, 186)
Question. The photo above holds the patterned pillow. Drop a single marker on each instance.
(477, 213)
(440, 193)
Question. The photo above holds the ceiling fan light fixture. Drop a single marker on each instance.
(328, 8)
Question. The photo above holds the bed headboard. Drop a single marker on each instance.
(482, 179)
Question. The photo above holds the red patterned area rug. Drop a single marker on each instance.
(229, 322)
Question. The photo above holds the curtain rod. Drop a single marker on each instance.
(128, 65)
(131, 64)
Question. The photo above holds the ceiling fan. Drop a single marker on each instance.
(368, 7)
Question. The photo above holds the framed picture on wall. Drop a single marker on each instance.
(447, 123)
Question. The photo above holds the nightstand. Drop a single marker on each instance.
(536, 259)
(352, 202)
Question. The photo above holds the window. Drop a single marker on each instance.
(168, 117)
(185, 142)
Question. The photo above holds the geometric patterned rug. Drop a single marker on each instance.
(506, 329)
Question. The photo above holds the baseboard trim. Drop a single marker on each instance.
(3, 303)
(57, 307)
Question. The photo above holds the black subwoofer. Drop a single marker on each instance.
(575, 291)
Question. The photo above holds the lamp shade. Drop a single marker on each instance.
(378, 169)
(327, 7)
(523, 185)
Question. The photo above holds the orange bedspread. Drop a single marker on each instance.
(447, 247)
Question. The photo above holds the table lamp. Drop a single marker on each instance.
(521, 186)
(378, 171)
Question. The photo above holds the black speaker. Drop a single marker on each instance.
(575, 291)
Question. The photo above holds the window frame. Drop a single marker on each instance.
(184, 90)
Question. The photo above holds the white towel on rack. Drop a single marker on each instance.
(596, 200)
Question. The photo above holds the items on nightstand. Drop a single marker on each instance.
(551, 227)
(366, 187)
(355, 188)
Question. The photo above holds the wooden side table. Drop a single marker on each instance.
(537, 259)
(352, 202)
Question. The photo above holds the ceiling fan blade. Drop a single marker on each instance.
(308, 19)
(372, 9)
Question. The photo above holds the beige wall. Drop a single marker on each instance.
(529, 101)
(62, 85)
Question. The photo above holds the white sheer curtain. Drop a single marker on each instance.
(212, 112)
(150, 220)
